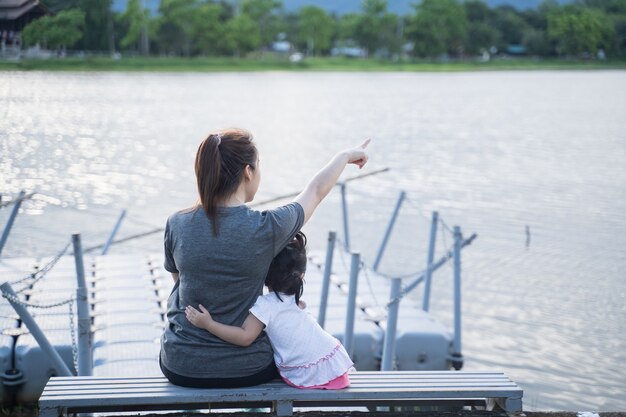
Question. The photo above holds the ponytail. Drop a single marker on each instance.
(220, 163)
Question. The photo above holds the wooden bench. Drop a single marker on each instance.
(65, 395)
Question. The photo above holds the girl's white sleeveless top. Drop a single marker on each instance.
(304, 353)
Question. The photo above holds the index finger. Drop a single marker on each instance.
(367, 142)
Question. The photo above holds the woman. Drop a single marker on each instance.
(219, 252)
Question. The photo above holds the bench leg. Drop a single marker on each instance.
(283, 408)
(510, 404)
(50, 412)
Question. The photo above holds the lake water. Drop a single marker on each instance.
(493, 152)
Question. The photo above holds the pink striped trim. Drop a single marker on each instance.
(341, 382)
(324, 358)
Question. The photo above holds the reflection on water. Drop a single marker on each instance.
(493, 152)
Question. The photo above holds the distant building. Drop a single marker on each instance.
(15, 14)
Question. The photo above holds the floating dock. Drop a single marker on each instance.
(104, 314)
(127, 296)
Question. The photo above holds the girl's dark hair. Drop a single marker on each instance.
(220, 163)
(286, 273)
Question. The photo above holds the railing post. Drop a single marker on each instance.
(9, 225)
(82, 307)
(445, 258)
(389, 346)
(344, 211)
(328, 268)
(457, 357)
(429, 260)
(392, 222)
(348, 335)
(34, 329)
(106, 246)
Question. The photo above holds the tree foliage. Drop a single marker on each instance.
(98, 34)
(315, 29)
(579, 30)
(459, 28)
(375, 28)
(264, 14)
(136, 19)
(243, 34)
(439, 27)
(62, 30)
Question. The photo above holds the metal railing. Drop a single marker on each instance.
(81, 349)
(398, 291)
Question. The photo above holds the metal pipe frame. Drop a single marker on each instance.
(328, 267)
(429, 260)
(12, 216)
(348, 335)
(436, 266)
(392, 222)
(457, 290)
(389, 346)
(85, 363)
(344, 211)
(109, 241)
(60, 366)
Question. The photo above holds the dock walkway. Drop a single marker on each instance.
(128, 295)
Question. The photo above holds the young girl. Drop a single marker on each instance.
(305, 355)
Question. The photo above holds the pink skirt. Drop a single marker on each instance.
(340, 382)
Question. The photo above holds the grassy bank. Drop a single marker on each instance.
(311, 64)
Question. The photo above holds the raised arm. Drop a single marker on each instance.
(321, 184)
(240, 336)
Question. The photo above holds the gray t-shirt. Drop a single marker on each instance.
(224, 273)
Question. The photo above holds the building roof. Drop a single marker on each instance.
(14, 9)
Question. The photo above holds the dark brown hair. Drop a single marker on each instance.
(286, 272)
(220, 163)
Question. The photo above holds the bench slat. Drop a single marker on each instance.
(271, 394)
(359, 374)
(84, 390)
(354, 383)
(355, 379)
(149, 393)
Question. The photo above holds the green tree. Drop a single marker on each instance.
(608, 6)
(511, 25)
(369, 24)
(481, 34)
(263, 12)
(579, 30)
(243, 34)
(615, 13)
(174, 28)
(346, 27)
(60, 5)
(477, 11)
(619, 22)
(315, 29)
(136, 20)
(440, 26)
(98, 34)
(535, 37)
(62, 30)
(208, 31)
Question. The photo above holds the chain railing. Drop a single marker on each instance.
(23, 303)
(452, 252)
(37, 276)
